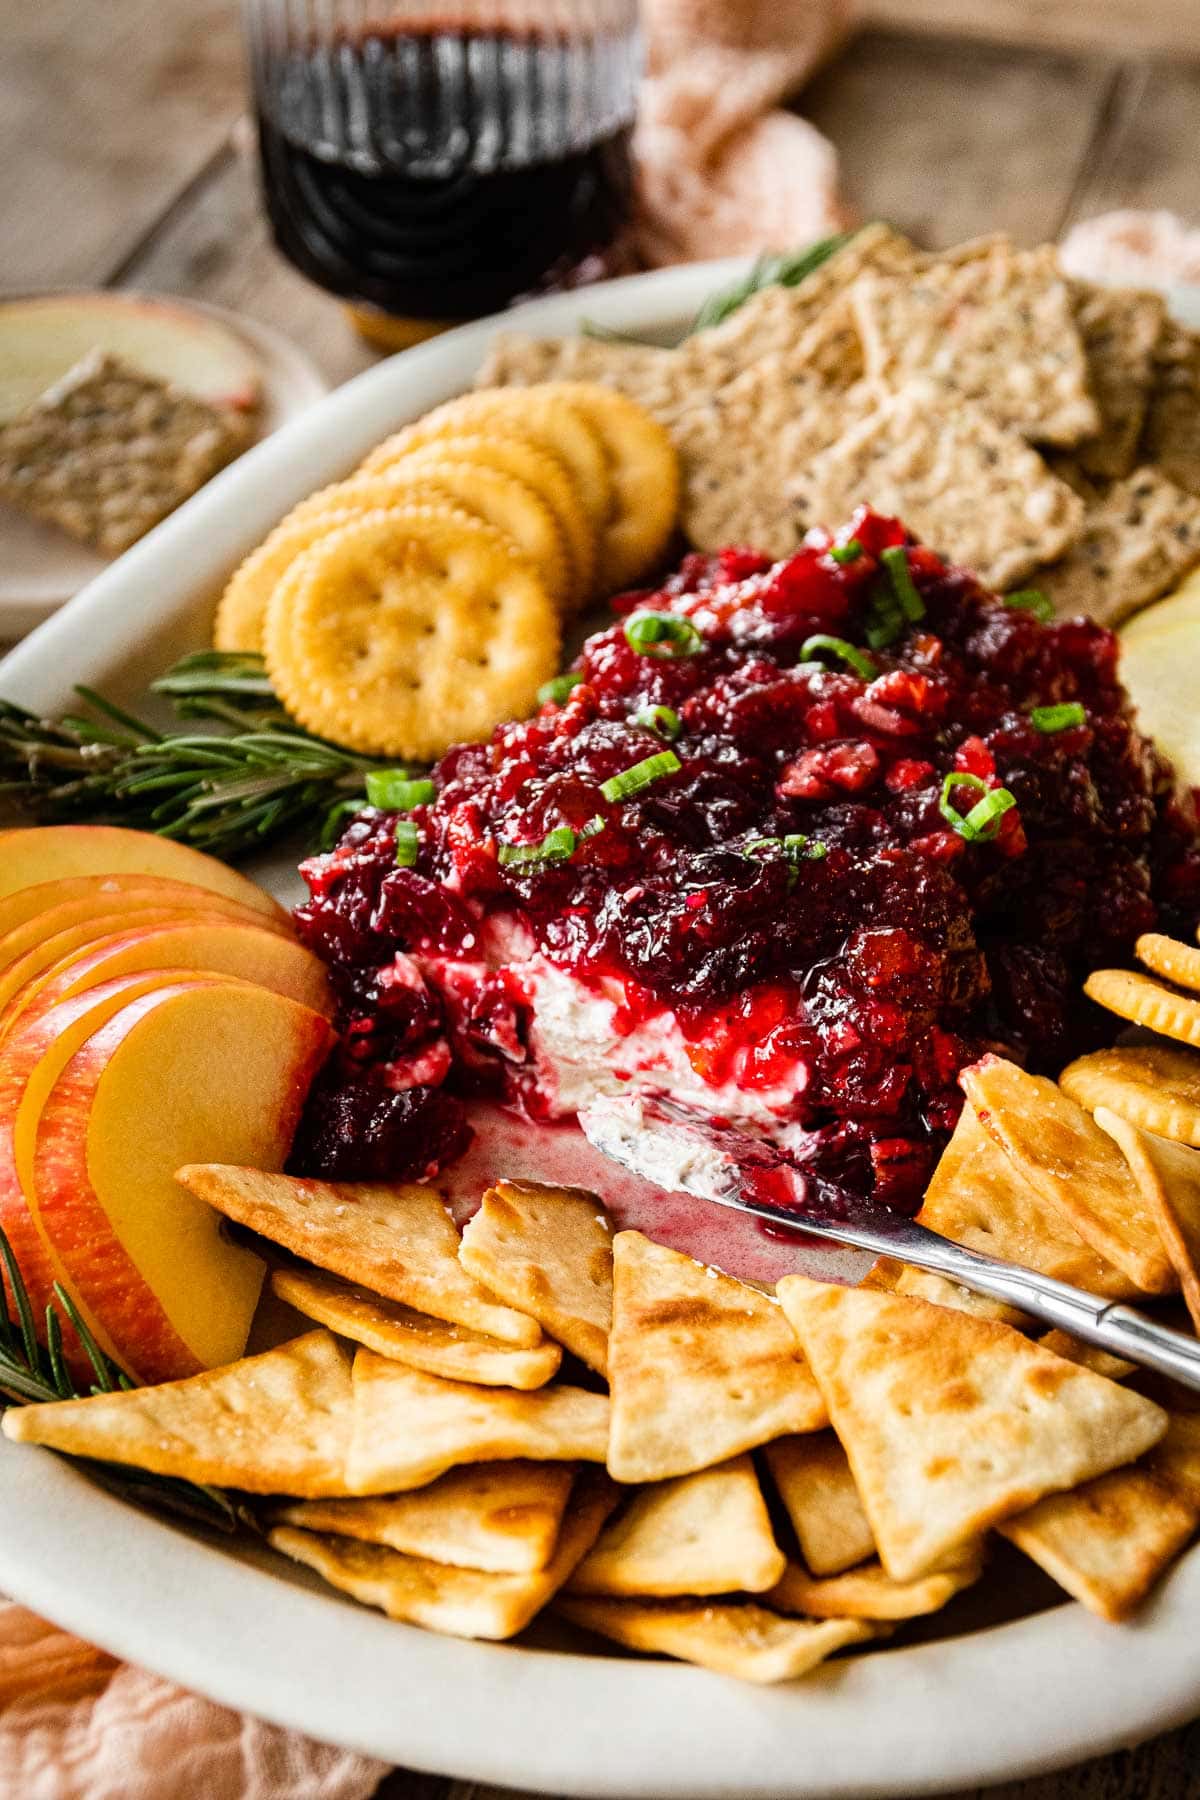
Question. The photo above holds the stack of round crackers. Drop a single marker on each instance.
(420, 602)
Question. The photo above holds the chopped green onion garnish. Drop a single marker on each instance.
(982, 823)
(885, 621)
(836, 646)
(1032, 600)
(1058, 718)
(592, 829)
(560, 688)
(662, 634)
(556, 846)
(848, 552)
(664, 721)
(394, 791)
(408, 843)
(795, 846)
(895, 561)
(641, 775)
(335, 821)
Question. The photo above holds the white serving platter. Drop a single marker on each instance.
(230, 1621)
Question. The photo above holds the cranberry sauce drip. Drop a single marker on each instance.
(881, 955)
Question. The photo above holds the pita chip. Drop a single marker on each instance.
(548, 1252)
(870, 1592)
(398, 1241)
(1109, 1541)
(1077, 1170)
(952, 1423)
(502, 1517)
(410, 1427)
(391, 1329)
(738, 1639)
(699, 1534)
(812, 1477)
(1168, 1177)
(701, 1367)
(1176, 1460)
(461, 1602)
(272, 1424)
(1088, 1356)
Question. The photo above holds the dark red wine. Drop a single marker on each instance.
(442, 176)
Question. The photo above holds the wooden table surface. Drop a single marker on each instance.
(126, 162)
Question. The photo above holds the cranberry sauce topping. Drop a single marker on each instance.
(849, 817)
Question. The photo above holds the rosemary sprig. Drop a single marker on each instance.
(769, 271)
(227, 794)
(31, 1373)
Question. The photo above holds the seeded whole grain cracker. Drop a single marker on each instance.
(272, 1424)
(501, 1517)
(397, 1239)
(958, 479)
(409, 1428)
(461, 1602)
(701, 1367)
(812, 1478)
(870, 1592)
(707, 1533)
(392, 1329)
(1137, 540)
(108, 451)
(1168, 1177)
(952, 1423)
(997, 332)
(1156, 1086)
(661, 382)
(1120, 328)
(1109, 1541)
(1074, 1166)
(738, 1639)
(1146, 1002)
(548, 1252)
(1171, 433)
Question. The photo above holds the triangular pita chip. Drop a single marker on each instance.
(1088, 1356)
(462, 1602)
(699, 1534)
(398, 1241)
(1063, 1154)
(740, 1639)
(547, 1251)
(1176, 1460)
(272, 1424)
(502, 1517)
(1168, 1177)
(391, 1329)
(1108, 1542)
(952, 1423)
(870, 1592)
(813, 1479)
(701, 1367)
(410, 1427)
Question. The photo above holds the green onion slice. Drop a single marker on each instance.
(560, 688)
(1064, 717)
(408, 843)
(857, 660)
(393, 790)
(982, 822)
(557, 846)
(1031, 600)
(795, 846)
(895, 561)
(848, 552)
(664, 721)
(641, 775)
(335, 821)
(662, 634)
(885, 621)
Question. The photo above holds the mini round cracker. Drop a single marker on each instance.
(242, 608)
(644, 469)
(1167, 957)
(1146, 1002)
(1151, 1085)
(408, 630)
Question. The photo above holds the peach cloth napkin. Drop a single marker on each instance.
(721, 169)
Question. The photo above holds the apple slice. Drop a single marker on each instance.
(109, 893)
(46, 952)
(218, 1072)
(39, 853)
(169, 898)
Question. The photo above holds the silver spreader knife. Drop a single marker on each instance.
(676, 1150)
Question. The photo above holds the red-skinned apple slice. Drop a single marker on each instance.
(166, 898)
(110, 893)
(47, 952)
(42, 853)
(216, 1073)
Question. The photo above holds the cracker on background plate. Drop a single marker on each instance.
(1171, 433)
(739, 1639)
(107, 452)
(812, 1478)
(998, 331)
(962, 483)
(870, 1592)
(952, 1423)
(273, 1424)
(1136, 542)
(1156, 1086)
(1120, 328)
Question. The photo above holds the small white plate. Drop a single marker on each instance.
(230, 1621)
(40, 567)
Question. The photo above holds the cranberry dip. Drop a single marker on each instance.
(791, 844)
